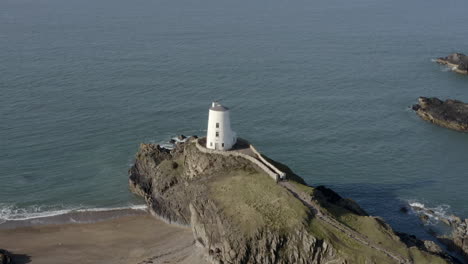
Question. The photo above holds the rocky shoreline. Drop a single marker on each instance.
(452, 114)
(458, 62)
(457, 239)
(238, 214)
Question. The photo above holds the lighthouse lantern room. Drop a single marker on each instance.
(219, 134)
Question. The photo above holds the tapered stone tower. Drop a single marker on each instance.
(219, 134)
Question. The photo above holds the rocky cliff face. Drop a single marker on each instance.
(450, 113)
(458, 62)
(457, 240)
(238, 214)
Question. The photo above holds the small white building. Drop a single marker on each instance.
(219, 135)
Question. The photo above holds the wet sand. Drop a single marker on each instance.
(127, 239)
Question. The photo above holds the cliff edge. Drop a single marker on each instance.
(239, 214)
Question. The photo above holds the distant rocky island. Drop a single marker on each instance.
(450, 113)
(457, 61)
(240, 214)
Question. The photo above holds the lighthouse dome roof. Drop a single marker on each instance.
(218, 107)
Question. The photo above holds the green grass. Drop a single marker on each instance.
(170, 173)
(253, 200)
(303, 188)
(347, 247)
(380, 235)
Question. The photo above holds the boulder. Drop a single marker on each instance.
(404, 209)
(424, 218)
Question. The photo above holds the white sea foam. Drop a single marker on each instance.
(435, 214)
(12, 212)
(446, 69)
(416, 204)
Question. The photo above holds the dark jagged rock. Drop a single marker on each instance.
(326, 194)
(424, 218)
(457, 61)
(5, 257)
(404, 209)
(238, 214)
(412, 241)
(450, 113)
(457, 240)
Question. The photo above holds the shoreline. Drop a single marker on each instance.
(138, 238)
(79, 216)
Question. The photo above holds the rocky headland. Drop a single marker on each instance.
(457, 239)
(457, 61)
(238, 213)
(450, 113)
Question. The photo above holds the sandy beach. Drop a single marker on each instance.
(134, 239)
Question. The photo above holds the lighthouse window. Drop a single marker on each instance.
(217, 125)
(217, 134)
(211, 144)
(222, 145)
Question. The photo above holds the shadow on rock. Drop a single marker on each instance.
(21, 258)
(7, 257)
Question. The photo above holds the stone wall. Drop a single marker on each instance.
(281, 174)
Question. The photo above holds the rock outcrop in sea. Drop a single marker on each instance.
(239, 214)
(457, 61)
(450, 113)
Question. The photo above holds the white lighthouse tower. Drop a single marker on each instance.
(219, 135)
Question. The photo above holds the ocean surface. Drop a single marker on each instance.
(323, 86)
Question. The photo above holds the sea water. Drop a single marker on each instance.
(322, 86)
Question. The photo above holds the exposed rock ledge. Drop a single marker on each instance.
(450, 113)
(457, 240)
(457, 61)
(239, 214)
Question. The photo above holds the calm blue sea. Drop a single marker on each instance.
(323, 86)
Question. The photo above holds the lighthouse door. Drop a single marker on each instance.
(216, 145)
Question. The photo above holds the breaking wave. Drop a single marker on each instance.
(10, 212)
(435, 214)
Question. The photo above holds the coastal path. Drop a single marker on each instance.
(306, 200)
